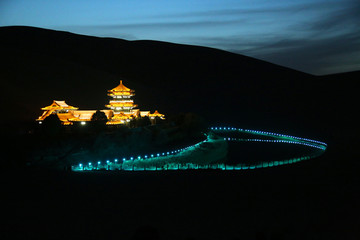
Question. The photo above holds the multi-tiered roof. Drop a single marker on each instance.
(55, 107)
(121, 101)
(122, 109)
(121, 90)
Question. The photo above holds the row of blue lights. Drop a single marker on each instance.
(266, 133)
(277, 141)
(176, 166)
(148, 156)
(300, 141)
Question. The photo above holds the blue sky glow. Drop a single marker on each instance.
(317, 36)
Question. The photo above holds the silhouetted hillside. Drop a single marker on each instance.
(312, 199)
(42, 65)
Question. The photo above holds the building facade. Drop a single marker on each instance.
(122, 109)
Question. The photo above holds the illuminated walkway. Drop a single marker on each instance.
(178, 159)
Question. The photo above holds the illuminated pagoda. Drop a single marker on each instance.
(121, 109)
(122, 104)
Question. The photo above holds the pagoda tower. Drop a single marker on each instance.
(121, 103)
(122, 109)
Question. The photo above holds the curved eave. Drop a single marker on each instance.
(156, 114)
(120, 105)
(121, 88)
(115, 122)
(121, 93)
(59, 108)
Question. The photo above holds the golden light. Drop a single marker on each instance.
(121, 109)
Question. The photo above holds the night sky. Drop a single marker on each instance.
(314, 36)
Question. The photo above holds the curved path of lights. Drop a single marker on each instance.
(156, 157)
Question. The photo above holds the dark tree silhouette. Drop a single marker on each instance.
(51, 125)
(98, 121)
(142, 122)
(99, 116)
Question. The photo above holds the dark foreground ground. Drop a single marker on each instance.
(316, 199)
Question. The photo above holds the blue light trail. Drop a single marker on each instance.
(154, 159)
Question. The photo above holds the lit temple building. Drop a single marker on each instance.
(155, 115)
(121, 109)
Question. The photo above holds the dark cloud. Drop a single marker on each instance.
(332, 44)
(257, 10)
(161, 25)
(317, 56)
(339, 18)
(328, 43)
(315, 37)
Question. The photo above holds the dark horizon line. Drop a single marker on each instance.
(167, 42)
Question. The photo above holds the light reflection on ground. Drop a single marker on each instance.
(213, 145)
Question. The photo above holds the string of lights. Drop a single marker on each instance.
(155, 158)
